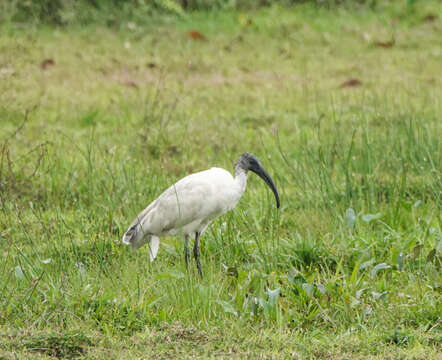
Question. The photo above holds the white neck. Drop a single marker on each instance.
(241, 179)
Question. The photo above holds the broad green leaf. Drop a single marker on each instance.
(370, 217)
(377, 295)
(359, 293)
(18, 272)
(273, 295)
(354, 302)
(366, 264)
(227, 307)
(400, 261)
(350, 218)
(263, 303)
(321, 288)
(367, 311)
(381, 266)
(308, 288)
(296, 276)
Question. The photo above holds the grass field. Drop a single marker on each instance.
(344, 110)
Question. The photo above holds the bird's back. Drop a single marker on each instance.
(191, 203)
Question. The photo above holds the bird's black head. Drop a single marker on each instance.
(250, 162)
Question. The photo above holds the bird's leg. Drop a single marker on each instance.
(186, 249)
(196, 253)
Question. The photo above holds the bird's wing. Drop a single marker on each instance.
(183, 203)
(195, 198)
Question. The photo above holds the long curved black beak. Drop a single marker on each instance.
(262, 173)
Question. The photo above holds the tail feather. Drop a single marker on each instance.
(154, 244)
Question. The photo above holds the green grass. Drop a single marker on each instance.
(348, 268)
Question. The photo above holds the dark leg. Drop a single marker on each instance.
(196, 253)
(186, 249)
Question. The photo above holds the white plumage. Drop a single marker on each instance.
(188, 206)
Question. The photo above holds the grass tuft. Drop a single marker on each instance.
(70, 345)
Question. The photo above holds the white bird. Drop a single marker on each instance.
(188, 206)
